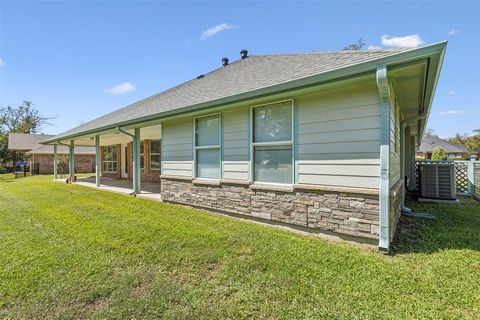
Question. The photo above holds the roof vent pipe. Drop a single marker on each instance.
(244, 53)
(224, 61)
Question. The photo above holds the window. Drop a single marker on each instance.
(154, 154)
(207, 147)
(142, 158)
(109, 159)
(272, 143)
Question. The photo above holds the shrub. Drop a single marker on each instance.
(439, 154)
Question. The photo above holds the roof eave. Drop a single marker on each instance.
(430, 89)
(348, 71)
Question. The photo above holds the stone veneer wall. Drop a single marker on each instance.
(351, 214)
(84, 163)
(395, 207)
(148, 176)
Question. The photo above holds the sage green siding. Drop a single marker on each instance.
(235, 143)
(339, 137)
(394, 143)
(177, 147)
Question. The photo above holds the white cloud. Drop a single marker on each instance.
(2, 63)
(451, 112)
(120, 88)
(452, 32)
(451, 92)
(411, 41)
(372, 47)
(214, 30)
(173, 66)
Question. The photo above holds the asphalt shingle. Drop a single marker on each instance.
(25, 141)
(430, 142)
(252, 73)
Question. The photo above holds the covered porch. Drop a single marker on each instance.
(127, 159)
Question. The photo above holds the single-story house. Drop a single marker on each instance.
(41, 157)
(320, 140)
(454, 151)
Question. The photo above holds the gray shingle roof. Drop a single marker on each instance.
(25, 141)
(61, 150)
(430, 142)
(252, 73)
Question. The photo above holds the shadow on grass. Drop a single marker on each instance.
(7, 177)
(457, 226)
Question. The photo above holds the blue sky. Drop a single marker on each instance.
(77, 61)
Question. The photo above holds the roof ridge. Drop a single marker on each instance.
(400, 49)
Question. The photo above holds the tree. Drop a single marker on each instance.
(62, 166)
(430, 132)
(459, 139)
(439, 154)
(355, 46)
(471, 142)
(22, 119)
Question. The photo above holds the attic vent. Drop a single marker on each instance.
(200, 76)
(244, 53)
(224, 61)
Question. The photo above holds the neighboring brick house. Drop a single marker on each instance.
(40, 157)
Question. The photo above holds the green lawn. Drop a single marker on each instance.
(68, 251)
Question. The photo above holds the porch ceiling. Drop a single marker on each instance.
(110, 138)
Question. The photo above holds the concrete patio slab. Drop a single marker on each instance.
(149, 190)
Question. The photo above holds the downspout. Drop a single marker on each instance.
(405, 210)
(384, 187)
(403, 125)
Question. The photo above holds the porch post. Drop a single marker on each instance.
(97, 160)
(384, 188)
(136, 162)
(55, 162)
(72, 160)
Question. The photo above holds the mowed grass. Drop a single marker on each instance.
(72, 252)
